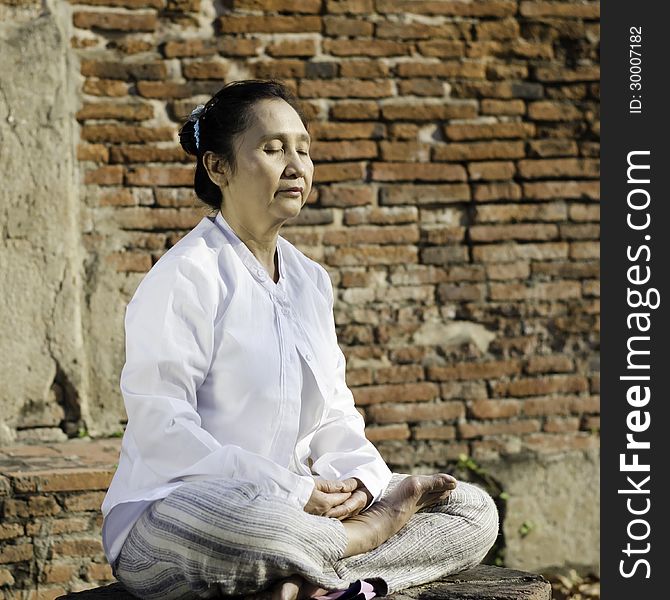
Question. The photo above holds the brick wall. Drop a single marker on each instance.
(455, 201)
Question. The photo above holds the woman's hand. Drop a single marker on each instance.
(356, 502)
(328, 494)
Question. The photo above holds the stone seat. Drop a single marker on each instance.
(481, 583)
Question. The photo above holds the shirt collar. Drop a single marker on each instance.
(247, 256)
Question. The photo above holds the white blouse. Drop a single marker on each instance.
(229, 374)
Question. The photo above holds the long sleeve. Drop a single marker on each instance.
(170, 338)
(340, 449)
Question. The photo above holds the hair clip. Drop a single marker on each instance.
(195, 116)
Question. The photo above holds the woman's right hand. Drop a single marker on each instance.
(328, 494)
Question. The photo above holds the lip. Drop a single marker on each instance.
(295, 190)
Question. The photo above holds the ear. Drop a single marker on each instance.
(216, 168)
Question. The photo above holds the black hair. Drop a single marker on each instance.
(227, 114)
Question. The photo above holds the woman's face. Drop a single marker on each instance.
(271, 156)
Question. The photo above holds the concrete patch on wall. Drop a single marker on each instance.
(42, 373)
(553, 512)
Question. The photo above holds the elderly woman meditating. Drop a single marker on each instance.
(244, 468)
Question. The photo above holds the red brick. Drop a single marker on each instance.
(345, 88)
(471, 430)
(136, 4)
(172, 90)
(471, 370)
(99, 572)
(110, 175)
(555, 211)
(417, 195)
(525, 231)
(583, 231)
(105, 87)
(380, 216)
(499, 29)
(503, 107)
(158, 218)
(234, 23)
(504, 271)
(478, 131)
(532, 49)
(372, 255)
(9, 531)
(334, 172)
(451, 8)
(302, 47)
(397, 171)
(487, 192)
(545, 110)
(479, 151)
(566, 167)
(444, 69)
(118, 197)
(60, 480)
(446, 255)
(160, 176)
(355, 110)
(489, 171)
(411, 151)
(92, 152)
(364, 69)
(584, 212)
(561, 425)
(494, 409)
(510, 252)
(556, 363)
(421, 31)
(461, 292)
(409, 413)
(343, 196)
(591, 424)
(143, 153)
(205, 70)
(6, 578)
(34, 506)
(434, 432)
(87, 547)
(129, 262)
(16, 553)
(347, 131)
(583, 10)
(110, 21)
(406, 392)
(548, 190)
(567, 269)
(342, 26)
(440, 235)
(546, 148)
(125, 133)
(371, 235)
(561, 74)
(189, 48)
(542, 386)
(345, 150)
(387, 432)
(398, 374)
(442, 48)
(58, 572)
(155, 70)
(582, 250)
(585, 404)
(548, 405)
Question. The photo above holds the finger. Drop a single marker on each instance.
(349, 485)
(352, 506)
(330, 486)
(336, 499)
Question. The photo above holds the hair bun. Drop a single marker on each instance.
(187, 137)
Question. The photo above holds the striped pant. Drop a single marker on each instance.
(224, 538)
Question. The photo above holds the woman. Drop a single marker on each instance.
(244, 467)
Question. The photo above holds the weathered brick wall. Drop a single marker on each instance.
(455, 200)
(456, 165)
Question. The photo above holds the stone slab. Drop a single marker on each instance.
(481, 583)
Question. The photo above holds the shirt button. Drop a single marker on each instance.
(308, 357)
(261, 274)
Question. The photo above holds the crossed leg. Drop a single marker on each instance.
(222, 537)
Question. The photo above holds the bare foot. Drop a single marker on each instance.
(295, 588)
(385, 518)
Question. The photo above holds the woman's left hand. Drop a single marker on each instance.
(358, 500)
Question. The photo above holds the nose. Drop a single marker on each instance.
(295, 164)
